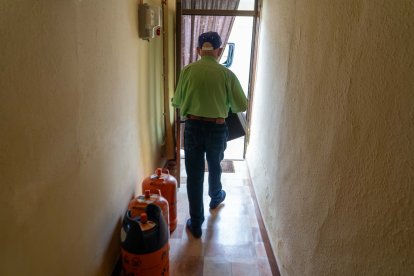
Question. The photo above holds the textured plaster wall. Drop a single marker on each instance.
(81, 126)
(331, 152)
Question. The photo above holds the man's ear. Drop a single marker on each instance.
(199, 51)
(220, 51)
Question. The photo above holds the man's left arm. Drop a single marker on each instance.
(238, 100)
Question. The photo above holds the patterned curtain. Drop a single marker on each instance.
(194, 25)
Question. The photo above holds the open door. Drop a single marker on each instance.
(237, 23)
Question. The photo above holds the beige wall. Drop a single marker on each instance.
(81, 126)
(332, 140)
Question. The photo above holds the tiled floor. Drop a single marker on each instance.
(231, 243)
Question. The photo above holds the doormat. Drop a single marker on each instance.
(227, 166)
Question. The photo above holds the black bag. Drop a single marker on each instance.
(236, 124)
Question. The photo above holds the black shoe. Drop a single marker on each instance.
(215, 203)
(196, 231)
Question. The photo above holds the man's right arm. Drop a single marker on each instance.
(178, 96)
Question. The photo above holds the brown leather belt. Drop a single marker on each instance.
(213, 120)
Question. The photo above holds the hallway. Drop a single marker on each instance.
(231, 243)
(85, 117)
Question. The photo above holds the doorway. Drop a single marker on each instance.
(237, 23)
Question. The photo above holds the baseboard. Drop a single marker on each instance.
(265, 237)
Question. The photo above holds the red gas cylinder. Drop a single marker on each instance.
(138, 204)
(168, 185)
(144, 243)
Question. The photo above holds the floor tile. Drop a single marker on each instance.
(216, 266)
(260, 250)
(230, 252)
(264, 267)
(178, 232)
(189, 266)
(257, 237)
(245, 269)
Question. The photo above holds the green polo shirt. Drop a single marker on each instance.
(208, 89)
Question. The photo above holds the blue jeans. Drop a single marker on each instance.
(203, 139)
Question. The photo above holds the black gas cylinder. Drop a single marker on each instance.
(144, 243)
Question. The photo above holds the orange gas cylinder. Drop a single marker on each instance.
(168, 185)
(138, 204)
(144, 243)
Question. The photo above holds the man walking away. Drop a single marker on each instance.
(205, 92)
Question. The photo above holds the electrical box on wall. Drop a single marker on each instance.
(149, 21)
